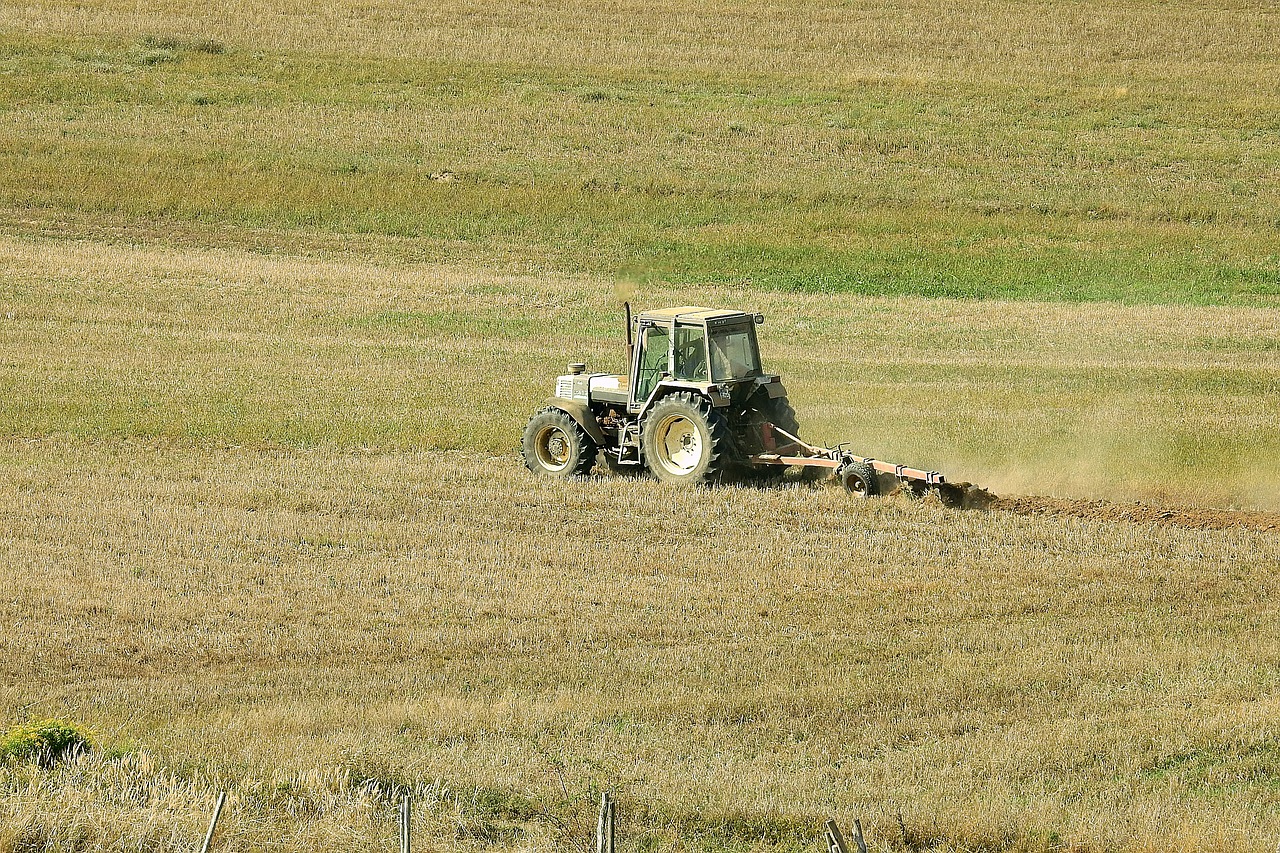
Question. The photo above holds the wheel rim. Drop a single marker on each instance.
(552, 448)
(855, 484)
(679, 444)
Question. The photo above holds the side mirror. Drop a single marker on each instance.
(759, 319)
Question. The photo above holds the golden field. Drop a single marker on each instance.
(281, 283)
(266, 530)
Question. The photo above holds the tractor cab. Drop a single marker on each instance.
(701, 349)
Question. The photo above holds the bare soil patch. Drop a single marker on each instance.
(1192, 518)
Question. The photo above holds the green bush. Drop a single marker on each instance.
(44, 742)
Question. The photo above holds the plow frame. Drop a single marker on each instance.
(795, 451)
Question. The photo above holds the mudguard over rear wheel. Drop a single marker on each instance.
(685, 440)
(555, 445)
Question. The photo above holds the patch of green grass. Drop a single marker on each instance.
(967, 188)
(44, 742)
(1221, 769)
(458, 323)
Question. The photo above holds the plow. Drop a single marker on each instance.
(698, 407)
(863, 476)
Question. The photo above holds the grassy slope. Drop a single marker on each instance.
(1166, 403)
(1015, 150)
(231, 539)
(228, 534)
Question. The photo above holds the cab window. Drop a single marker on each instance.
(653, 359)
(734, 354)
(691, 354)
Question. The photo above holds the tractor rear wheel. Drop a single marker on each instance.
(762, 409)
(685, 440)
(859, 479)
(778, 411)
(556, 446)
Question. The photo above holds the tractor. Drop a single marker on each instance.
(696, 408)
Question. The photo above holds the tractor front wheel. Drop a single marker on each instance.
(685, 440)
(556, 446)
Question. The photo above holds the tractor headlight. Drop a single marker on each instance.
(726, 392)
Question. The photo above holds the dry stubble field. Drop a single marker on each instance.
(280, 283)
(236, 543)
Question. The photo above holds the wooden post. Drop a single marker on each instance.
(604, 826)
(213, 823)
(835, 839)
(406, 813)
(612, 806)
(857, 836)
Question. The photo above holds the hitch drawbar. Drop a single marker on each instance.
(861, 475)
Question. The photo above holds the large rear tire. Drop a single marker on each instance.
(685, 440)
(555, 445)
(778, 411)
(763, 409)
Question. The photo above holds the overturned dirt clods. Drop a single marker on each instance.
(1192, 518)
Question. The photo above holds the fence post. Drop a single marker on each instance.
(213, 822)
(835, 839)
(612, 806)
(406, 814)
(857, 836)
(604, 825)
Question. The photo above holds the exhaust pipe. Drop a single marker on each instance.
(626, 306)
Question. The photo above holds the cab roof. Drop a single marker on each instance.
(692, 314)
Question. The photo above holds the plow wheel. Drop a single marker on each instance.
(556, 446)
(685, 440)
(858, 479)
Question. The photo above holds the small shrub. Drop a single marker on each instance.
(44, 742)
(161, 42)
(157, 57)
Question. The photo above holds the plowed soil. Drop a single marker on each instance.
(1140, 513)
